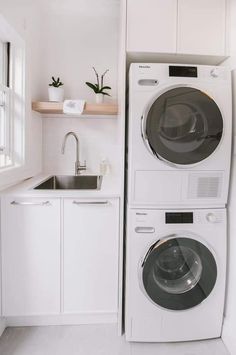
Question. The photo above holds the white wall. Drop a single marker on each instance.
(77, 35)
(24, 17)
(230, 310)
(99, 138)
(66, 38)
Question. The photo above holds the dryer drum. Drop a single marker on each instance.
(183, 126)
(178, 273)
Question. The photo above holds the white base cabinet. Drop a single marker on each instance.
(30, 256)
(59, 258)
(91, 243)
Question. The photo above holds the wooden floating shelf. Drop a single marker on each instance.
(51, 108)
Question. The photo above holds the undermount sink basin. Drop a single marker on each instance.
(66, 182)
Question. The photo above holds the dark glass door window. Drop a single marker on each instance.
(183, 126)
(178, 273)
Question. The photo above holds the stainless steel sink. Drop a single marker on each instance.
(66, 182)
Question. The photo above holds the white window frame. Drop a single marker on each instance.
(13, 153)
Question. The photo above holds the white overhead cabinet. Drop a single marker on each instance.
(202, 27)
(91, 233)
(151, 26)
(196, 27)
(31, 256)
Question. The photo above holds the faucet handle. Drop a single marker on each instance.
(81, 167)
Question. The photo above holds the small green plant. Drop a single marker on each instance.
(99, 87)
(56, 83)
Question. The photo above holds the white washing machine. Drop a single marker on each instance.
(176, 271)
(179, 141)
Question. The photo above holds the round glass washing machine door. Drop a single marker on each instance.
(178, 273)
(183, 126)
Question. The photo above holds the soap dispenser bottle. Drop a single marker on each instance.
(104, 167)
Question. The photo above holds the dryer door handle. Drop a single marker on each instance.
(145, 230)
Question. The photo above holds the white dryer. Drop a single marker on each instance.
(179, 141)
(176, 271)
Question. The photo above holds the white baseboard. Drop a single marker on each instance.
(62, 319)
(228, 336)
(2, 325)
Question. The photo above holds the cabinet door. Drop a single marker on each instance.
(31, 256)
(91, 231)
(151, 26)
(201, 27)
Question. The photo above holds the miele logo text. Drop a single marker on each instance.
(144, 66)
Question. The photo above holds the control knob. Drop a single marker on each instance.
(215, 73)
(211, 217)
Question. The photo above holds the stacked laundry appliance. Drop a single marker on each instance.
(179, 154)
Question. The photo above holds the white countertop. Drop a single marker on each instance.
(110, 188)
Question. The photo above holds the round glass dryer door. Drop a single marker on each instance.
(178, 273)
(183, 126)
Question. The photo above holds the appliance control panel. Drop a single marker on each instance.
(152, 75)
(153, 218)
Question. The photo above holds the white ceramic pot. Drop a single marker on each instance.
(99, 98)
(56, 94)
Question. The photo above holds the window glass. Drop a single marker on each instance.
(183, 126)
(178, 273)
(5, 116)
(12, 99)
(1, 62)
(178, 269)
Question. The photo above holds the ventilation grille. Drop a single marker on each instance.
(205, 186)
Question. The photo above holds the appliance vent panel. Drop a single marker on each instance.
(208, 186)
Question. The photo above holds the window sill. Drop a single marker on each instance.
(12, 175)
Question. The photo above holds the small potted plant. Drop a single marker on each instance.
(55, 90)
(99, 88)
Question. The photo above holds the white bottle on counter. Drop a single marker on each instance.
(105, 167)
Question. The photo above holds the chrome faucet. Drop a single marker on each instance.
(78, 166)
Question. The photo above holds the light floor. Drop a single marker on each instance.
(93, 340)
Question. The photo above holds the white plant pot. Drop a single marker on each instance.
(56, 94)
(99, 98)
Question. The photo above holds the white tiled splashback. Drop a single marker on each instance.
(99, 138)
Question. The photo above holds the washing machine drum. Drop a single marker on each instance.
(183, 126)
(178, 273)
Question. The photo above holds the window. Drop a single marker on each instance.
(5, 117)
(12, 97)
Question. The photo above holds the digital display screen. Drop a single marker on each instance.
(180, 71)
(179, 217)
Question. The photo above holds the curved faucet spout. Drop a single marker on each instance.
(78, 166)
(76, 140)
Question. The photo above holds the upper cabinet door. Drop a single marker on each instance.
(151, 26)
(202, 27)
